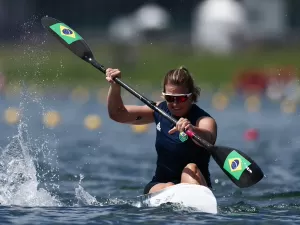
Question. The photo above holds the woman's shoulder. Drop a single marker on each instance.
(200, 111)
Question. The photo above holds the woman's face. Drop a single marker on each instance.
(177, 99)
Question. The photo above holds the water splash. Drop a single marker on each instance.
(19, 179)
(83, 196)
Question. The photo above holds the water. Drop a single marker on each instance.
(72, 175)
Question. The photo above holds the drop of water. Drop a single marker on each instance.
(81, 177)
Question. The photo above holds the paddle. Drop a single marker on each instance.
(239, 167)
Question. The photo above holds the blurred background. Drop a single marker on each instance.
(244, 49)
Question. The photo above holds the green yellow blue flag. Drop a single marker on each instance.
(65, 32)
(235, 164)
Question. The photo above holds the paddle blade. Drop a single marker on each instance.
(239, 167)
(68, 37)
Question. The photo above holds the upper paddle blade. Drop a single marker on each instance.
(239, 167)
(68, 37)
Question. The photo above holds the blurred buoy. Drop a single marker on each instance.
(253, 103)
(11, 115)
(51, 119)
(220, 101)
(80, 95)
(140, 128)
(92, 122)
(251, 134)
(288, 106)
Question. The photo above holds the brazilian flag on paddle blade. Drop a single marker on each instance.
(235, 164)
(65, 32)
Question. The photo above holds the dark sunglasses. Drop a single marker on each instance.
(179, 98)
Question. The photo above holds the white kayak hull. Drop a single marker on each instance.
(188, 195)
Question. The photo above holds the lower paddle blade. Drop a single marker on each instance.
(239, 167)
(68, 37)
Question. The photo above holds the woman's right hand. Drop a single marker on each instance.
(111, 74)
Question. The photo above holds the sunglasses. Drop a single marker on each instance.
(179, 98)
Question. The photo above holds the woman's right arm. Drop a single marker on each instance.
(130, 114)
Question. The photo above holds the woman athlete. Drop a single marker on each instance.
(179, 158)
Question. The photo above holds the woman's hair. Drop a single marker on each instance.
(182, 77)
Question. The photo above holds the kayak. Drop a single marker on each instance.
(194, 196)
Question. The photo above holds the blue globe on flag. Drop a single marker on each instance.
(67, 31)
(235, 164)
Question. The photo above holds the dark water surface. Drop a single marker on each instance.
(72, 175)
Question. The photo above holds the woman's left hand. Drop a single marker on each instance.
(181, 125)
